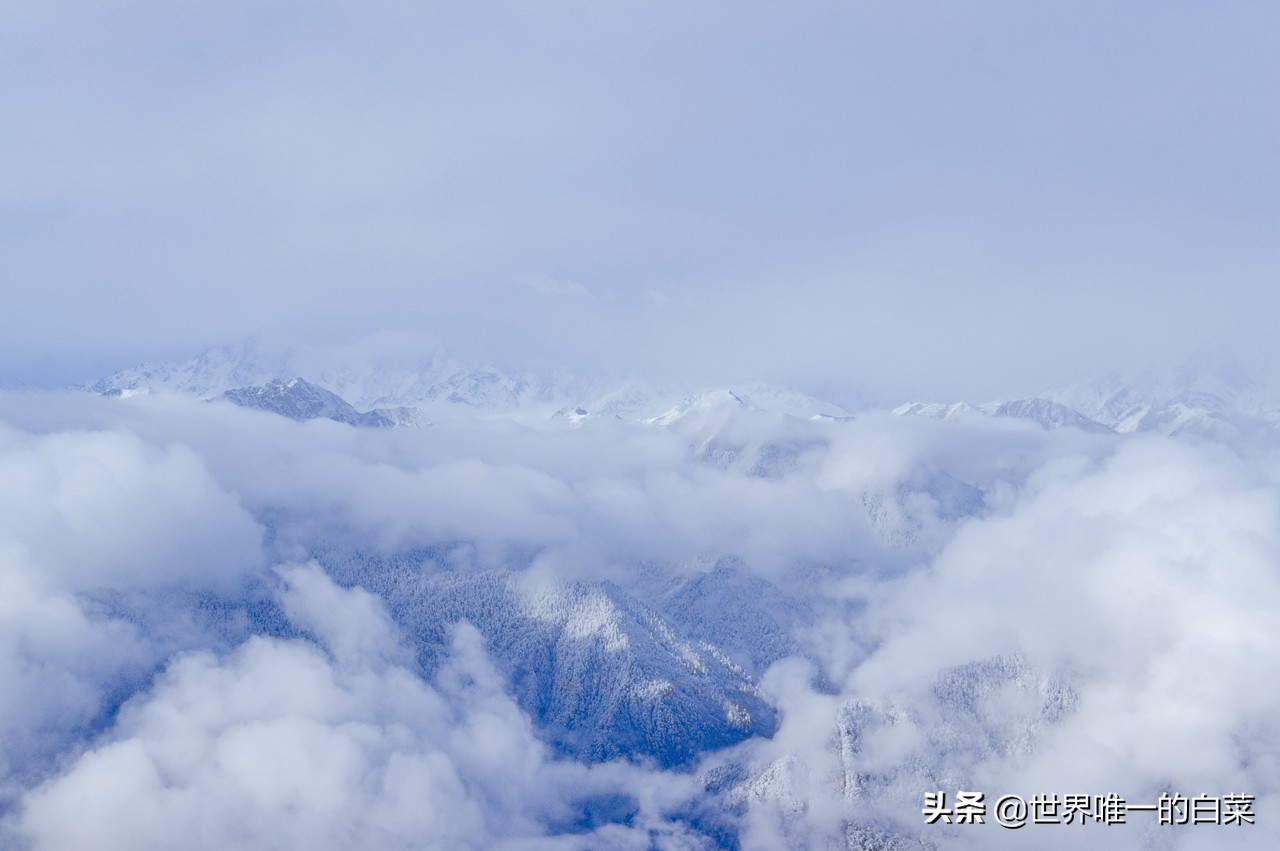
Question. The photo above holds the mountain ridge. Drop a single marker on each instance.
(1205, 396)
(299, 399)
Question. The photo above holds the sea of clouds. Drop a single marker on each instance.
(983, 605)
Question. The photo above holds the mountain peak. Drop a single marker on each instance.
(299, 399)
(1210, 395)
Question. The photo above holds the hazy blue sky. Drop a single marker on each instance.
(978, 196)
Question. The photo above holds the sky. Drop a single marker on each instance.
(975, 198)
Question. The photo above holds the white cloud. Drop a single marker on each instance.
(87, 512)
(102, 509)
(279, 745)
(1143, 584)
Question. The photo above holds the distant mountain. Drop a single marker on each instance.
(369, 377)
(207, 375)
(718, 404)
(1206, 396)
(298, 399)
(1044, 412)
(1048, 413)
(702, 407)
(940, 410)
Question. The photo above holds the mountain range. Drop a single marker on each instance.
(299, 399)
(1207, 397)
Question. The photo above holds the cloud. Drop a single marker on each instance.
(105, 510)
(284, 744)
(93, 525)
(965, 605)
(132, 520)
(1103, 632)
(58, 665)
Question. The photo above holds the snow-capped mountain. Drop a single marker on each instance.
(366, 379)
(703, 408)
(712, 405)
(1205, 397)
(1210, 397)
(746, 616)
(207, 375)
(369, 378)
(1047, 413)
(299, 399)
(1043, 412)
(728, 431)
(410, 384)
(940, 410)
(973, 729)
(603, 674)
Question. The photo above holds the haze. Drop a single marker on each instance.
(930, 197)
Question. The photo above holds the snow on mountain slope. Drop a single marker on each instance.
(208, 374)
(1208, 397)
(298, 399)
(367, 379)
(1048, 414)
(628, 399)
(727, 431)
(1043, 412)
(940, 410)
(717, 406)
(433, 380)
(702, 409)
(793, 403)
(602, 674)
(920, 507)
(876, 760)
(1205, 396)
(746, 616)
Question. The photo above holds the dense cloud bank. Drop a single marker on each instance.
(225, 628)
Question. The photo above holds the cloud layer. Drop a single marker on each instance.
(229, 628)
